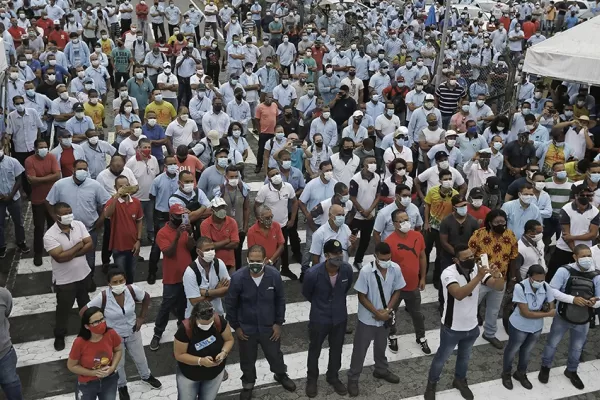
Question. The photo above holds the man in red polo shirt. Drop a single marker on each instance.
(16, 32)
(58, 36)
(267, 233)
(175, 240)
(125, 214)
(223, 231)
(408, 251)
(475, 208)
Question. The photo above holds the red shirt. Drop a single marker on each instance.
(506, 22)
(67, 158)
(173, 267)
(270, 242)
(478, 214)
(95, 355)
(141, 10)
(123, 223)
(46, 24)
(528, 29)
(60, 37)
(228, 230)
(317, 54)
(405, 253)
(41, 167)
(16, 32)
(191, 164)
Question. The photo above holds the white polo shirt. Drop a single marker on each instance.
(70, 271)
(391, 153)
(127, 147)
(277, 200)
(324, 233)
(107, 179)
(192, 290)
(343, 172)
(579, 223)
(170, 79)
(181, 134)
(144, 172)
(460, 315)
(325, 206)
(432, 176)
(365, 190)
(386, 126)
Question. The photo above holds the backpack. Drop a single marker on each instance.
(188, 327)
(192, 204)
(580, 284)
(130, 291)
(509, 306)
(194, 268)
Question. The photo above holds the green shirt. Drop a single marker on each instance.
(140, 92)
(559, 193)
(121, 59)
(310, 63)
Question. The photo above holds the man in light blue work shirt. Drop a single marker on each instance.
(96, 151)
(99, 75)
(11, 175)
(79, 124)
(328, 84)
(268, 77)
(214, 176)
(326, 126)
(521, 210)
(384, 225)
(87, 199)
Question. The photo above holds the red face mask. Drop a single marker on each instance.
(146, 152)
(99, 329)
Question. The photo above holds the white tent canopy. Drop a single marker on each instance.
(572, 55)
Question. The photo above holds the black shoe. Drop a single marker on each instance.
(388, 377)
(286, 382)
(123, 393)
(574, 378)
(153, 382)
(23, 248)
(494, 342)
(225, 375)
(59, 343)
(544, 374)
(92, 285)
(430, 391)
(246, 394)
(155, 343)
(288, 274)
(424, 346)
(140, 258)
(349, 330)
(301, 277)
(311, 388)
(257, 170)
(37, 260)
(507, 380)
(521, 377)
(463, 388)
(2, 252)
(393, 345)
(353, 388)
(151, 279)
(338, 386)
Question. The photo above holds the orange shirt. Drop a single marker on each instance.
(405, 253)
(41, 167)
(267, 115)
(270, 242)
(173, 267)
(191, 164)
(229, 230)
(123, 223)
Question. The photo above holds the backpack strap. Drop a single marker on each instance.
(103, 300)
(188, 327)
(186, 201)
(194, 268)
(132, 292)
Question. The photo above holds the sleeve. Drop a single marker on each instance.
(428, 197)
(231, 302)
(223, 273)
(96, 301)
(190, 284)
(557, 283)
(280, 239)
(308, 285)
(138, 291)
(595, 220)
(162, 241)
(564, 218)
(519, 295)
(75, 353)
(316, 246)
(279, 301)
(448, 278)
(181, 335)
(399, 281)
(50, 243)
(261, 195)
(353, 188)
(362, 282)
(202, 198)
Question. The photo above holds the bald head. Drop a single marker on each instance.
(335, 210)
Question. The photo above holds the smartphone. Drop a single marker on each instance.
(297, 143)
(485, 263)
(354, 232)
(185, 219)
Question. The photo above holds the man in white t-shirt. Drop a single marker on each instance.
(168, 83)
(183, 130)
(431, 175)
(385, 124)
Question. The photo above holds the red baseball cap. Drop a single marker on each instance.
(176, 209)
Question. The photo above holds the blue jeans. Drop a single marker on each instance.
(16, 213)
(192, 390)
(448, 341)
(127, 261)
(577, 338)
(9, 380)
(101, 389)
(519, 342)
(135, 348)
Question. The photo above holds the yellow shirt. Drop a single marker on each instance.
(107, 46)
(439, 206)
(165, 112)
(572, 173)
(95, 112)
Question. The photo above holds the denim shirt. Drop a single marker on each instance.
(327, 303)
(524, 294)
(253, 308)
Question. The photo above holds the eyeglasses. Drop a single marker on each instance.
(206, 314)
(96, 323)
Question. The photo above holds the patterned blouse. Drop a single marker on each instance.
(501, 250)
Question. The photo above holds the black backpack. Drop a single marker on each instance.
(194, 267)
(580, 284)
(192, 204)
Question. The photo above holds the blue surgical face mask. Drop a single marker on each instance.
(339, 220)
(561, 174)
(595, 177)
(462, 211)
(586, 263)
(536, 284)
(287, 164)
(222, 162)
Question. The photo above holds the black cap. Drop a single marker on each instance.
(440, 154)
(332, 246)
(493, 182)
(476, 193)
(77, 107)
(457, 199)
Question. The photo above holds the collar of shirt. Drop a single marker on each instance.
(128, 199)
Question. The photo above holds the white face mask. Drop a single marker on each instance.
(447, 184)
(93, 140)
(405, 226)
(276, 179)
(118, 289)
(208, 256)
(372, 167)
(152, 121)
(205, 327)
(66, 219)
(540, 186)
(188, 187)
(444, 164)
(328, 175)
(384, 264)
(537, 237)
(233, 182)
(477, 203)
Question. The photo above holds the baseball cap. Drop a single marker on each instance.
(358, 113)
(77, 107)
(201, 86)
(176, 209)
(332, 246)
(457, 199)
(166, 64)
(450, 132)
(429, 97)
(440, 154)
(476, 193)
(401, 131)
(213, 137)
(56, 22)
(217, 202)
(584, 118)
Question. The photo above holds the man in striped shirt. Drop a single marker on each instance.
(558, 186)
(447, 97)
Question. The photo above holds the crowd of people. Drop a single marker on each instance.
(353, 138)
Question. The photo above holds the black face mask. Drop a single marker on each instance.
(484, 164)
(584, 201)
(176, 221)
(468, 265)
(352, 73)
(432, 124)
(116, 173)
(347, 151)
(499, 229)
(319, 144)
(217, 109)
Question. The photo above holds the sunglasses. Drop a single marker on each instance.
(206, 314)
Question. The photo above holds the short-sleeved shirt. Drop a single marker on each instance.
(277, 200)
(120, 319)
(366, 283)
(458, 233)
(270, 241)
(325, 233)
(10, 169)
(123, 223)
(439, 206)
(70, 271)
(94, 355)
(460, 315)
(228, 230)
(267, 115)
(173, 267)
(192, 290)
(406, 252)
(41, 167)
(163, 187)
(523, 293)
(192, 164)
(432, 176)
(165, 112)
(501, 249)
(384, 224)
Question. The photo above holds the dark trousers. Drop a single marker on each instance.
(124, 76)
(249, 354)
(433, 238)
(65, 296)
(290, 234)
(559, 258)
(197, 32)
(110, 71)
(125, 25)
(184, 93)
(21, 159)
(160, 219)
(42, 220)
(238, 251)
(335, 336)
(365, 227)
(156, 28)
(14, 208)
(214, 28)
(173, 300)
(172, 27)
(412, 302)
(551, 228)
(263, 138)
(106, 253)
(9, 379)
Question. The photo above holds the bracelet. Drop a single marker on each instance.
(199, 359)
